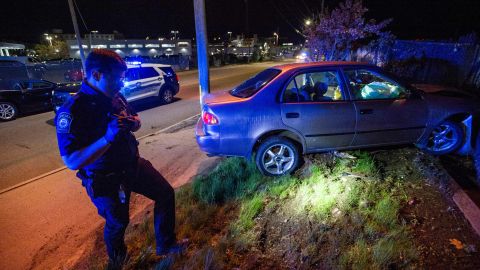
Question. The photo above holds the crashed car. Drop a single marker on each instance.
(289, 110)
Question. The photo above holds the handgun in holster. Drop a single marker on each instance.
(101, 184)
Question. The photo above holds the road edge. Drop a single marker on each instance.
(183, 123)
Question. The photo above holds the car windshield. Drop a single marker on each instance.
(255, 83)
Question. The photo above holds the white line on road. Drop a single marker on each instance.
(63, 168)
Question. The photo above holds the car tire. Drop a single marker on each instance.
(166, 95)
(8, 111)
(445, 138)
(277, 156)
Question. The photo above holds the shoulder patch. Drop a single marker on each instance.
(64, 121)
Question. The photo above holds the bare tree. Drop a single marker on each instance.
(334, 35)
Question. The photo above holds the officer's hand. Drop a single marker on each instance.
(130, 122)
(115, 127)
(135, 123)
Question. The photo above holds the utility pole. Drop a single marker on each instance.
(77, 33)
(202, 43)
(247, 30)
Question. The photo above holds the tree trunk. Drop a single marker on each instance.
(332, 52)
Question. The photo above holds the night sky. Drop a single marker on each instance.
(25, 21)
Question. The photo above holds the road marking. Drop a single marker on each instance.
(64, 167)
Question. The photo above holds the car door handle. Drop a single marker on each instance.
(292, 115)
(366, 111)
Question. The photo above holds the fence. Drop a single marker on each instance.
(456, 64)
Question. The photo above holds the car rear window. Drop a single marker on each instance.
(252, 85)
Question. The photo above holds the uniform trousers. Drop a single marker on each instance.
(145, 180)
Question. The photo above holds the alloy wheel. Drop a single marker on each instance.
(7, 111)
(442, 138)
(278, 159)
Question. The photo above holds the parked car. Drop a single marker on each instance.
(19, 96)
(141, 81)
(295, 109)
(30, 66)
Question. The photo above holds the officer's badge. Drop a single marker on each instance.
(64, 120)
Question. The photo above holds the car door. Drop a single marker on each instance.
(132, 83)
(37, 95)
(387, 112)
(151, 80)
(316, 104)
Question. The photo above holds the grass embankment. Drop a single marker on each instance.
(334, 213)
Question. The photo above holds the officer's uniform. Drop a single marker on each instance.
(83, 120)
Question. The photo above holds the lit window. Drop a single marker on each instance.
(135, 45)
(152, 46)
(116, 46)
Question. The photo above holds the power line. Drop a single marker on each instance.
(285, 19)
(81, 17)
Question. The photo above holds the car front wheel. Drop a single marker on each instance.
(8, 111)
(277, 156)
(445, 138)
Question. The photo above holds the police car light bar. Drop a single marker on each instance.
(137, 63)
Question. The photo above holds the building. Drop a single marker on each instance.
(134, 47)
(5, 47)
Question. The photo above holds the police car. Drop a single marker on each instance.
(142, 80)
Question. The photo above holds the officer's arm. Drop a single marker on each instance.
(87, 155)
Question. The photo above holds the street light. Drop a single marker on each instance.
(308, 22)
(49, 38)
(90, 37)
(276, 38)
(229, 36)
(175, 32)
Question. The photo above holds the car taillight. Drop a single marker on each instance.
(176, 77)
(209, 119)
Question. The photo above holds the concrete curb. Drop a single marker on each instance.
(469, 208)
(170, 129)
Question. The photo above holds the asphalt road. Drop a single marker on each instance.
(29, 145)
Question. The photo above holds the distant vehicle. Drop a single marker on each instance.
(26, 96)
(141, 81)
(32, 67)
(73, 75)
(295, 109)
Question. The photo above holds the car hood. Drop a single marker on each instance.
(448, 105)
(220, 97)
(447, 91)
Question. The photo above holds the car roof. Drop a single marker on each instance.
(287, 67)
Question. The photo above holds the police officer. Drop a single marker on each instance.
(95, 136)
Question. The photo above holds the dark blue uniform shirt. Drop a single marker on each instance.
(84, 118)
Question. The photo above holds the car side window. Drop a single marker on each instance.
(367, 84)
(132, 74)
(291, 93)
(148, 72)
(320, 86)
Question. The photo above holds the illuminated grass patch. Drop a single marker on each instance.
(339, 215)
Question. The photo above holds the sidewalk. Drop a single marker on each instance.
(49, 223)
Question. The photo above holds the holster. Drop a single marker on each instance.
(100, 184)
